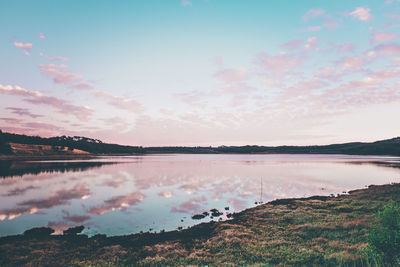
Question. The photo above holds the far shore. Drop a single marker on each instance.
(23, 157)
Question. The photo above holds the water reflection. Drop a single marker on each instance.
(10, 168)
(164, 191)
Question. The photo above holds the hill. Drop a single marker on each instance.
(36, 145)
(80, 145)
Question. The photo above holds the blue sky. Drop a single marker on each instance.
(201, 72)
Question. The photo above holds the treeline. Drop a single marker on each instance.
(83, 143)
(385, 147)
(95, 146)
(5, 148)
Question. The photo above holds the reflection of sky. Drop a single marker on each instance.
(158, 192)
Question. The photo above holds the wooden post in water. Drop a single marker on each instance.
(261, 191)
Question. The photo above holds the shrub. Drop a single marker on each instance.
(384, 239)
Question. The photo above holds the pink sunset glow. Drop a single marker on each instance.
(206, 78)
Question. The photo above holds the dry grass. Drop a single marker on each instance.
(25, 149)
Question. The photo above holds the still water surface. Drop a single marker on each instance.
(123, 195)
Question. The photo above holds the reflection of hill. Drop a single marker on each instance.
(389, 164)
(9, 168)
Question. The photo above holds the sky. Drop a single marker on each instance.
(201, 72)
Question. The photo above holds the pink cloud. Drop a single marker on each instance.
(23, 112)
(347, 47)
(312, 13)
(78, 219)
(59, 73)
(305, 87)
(120, 102)
(331, 24)
(328, 73)
(61, 105)
(231, 75)
(361, 13)
(234, 88)
(313, 28)
(57, 198)
(193, 98)
(383, 37)
(352, 63)
(117, 203)
(388, 49)
(394, 16)
(41, 35)
(280, 63)
(292, 45)
(166, 194)
(193, 205)
(23, 45)
(186, 3)
(26, 47)
(312, 43)
(59, 58)
(82, 86)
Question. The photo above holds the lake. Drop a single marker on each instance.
(124, 195)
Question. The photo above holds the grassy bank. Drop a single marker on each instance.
(323, 231)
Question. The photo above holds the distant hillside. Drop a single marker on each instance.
(384, 147)
(66, 144)
(60, 145)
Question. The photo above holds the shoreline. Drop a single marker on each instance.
(94, 156)
(329, 228)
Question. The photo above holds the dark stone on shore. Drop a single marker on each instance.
(198, 216)
(216, 213)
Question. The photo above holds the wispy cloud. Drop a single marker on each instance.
(186, 3)
(312, 13)
(60, 105)
(279, 64)
(231, 75)
(379, 37)
(352, 63)
(292, 45)
(82, 86)
(117, 203)
(57, 198)
(59, 73)
(54, 58)
(314, 28)
(391, 49)
(26, 47)
(23, 112)
(120, 102)
(346, 47)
